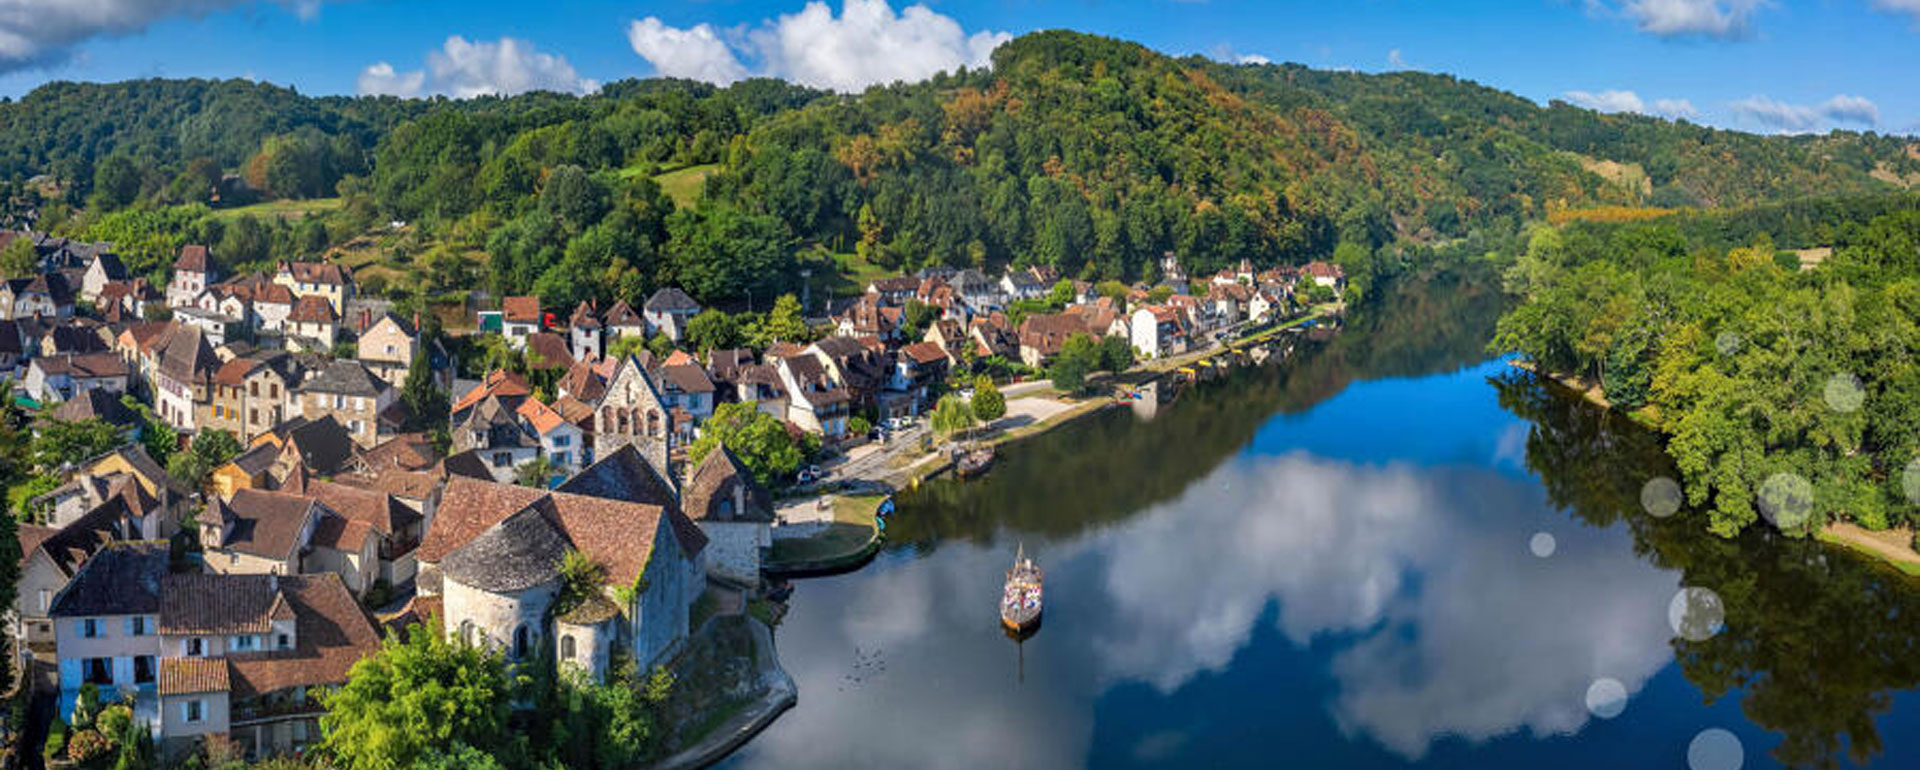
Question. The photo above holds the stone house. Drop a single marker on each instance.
(815, 401)
(668, 312)
(193, 272)
(63, 377)
(621, 321)
(104, 269)
(388, 347)
(326, 280)
(561, 441)
(585, 333)
(183, 376)
(1159, 331)
(735, 512)
(493, 555)
(633, 412)
(495, 434)
(351, 395)
(312, 324)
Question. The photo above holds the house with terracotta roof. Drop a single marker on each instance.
(257, 532)
(183, 376)
(916, 368)
(736, 513)
(193, 272)
(1043, 336)
(585, 333)
(370, 540)
(243, 656)
(519, 316)
(1159, 331)
(312, 324)
(496, 434)
(493, 555)
(61, 377)
(622, 321)
(687, 387)
(815, 400)
(47, 295)
(1325, 274)
(332, 282)
(509, 387)
(561, 441)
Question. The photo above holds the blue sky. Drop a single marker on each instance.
(1761, 65)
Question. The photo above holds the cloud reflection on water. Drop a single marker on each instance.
(1442, 621)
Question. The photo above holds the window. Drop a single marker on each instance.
(560, 441)
(253, 415)
(566, 647)
(143, 669)
(46, 599)
(97, 670)
(522, 640)
(253, 388)
(194, 710)
(273, 390)
(244, 643)
(502, 459)
(284, 642)
(137, 625)
(89, 628)
(196, 647)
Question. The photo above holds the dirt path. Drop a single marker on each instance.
(1894, 545)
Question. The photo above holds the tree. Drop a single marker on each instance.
(628, 346)
(537, 473)
(952, 415)
(988, 403)
(784, 323)
(722, 251)
(1079, 356)
(116, 183)
(419, 693)
(1116, 353)
(19, 259)
(62, 443)
(760, 440)
(713, 329)
(426, 402)
(210, 450)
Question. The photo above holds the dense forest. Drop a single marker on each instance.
(1788, 387)
(1085, 153)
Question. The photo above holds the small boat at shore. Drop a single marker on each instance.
(1020, 600)
(973, 462)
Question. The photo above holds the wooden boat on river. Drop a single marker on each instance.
(973, 462)
(1020, 600)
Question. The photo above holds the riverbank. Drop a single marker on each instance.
(829, 533)
(1893, 547)
(738, 713)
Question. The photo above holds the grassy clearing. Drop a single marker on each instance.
(856, 509)
(684, 185)
(286, 209)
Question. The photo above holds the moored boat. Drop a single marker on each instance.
(973, 462)
(1020, 600)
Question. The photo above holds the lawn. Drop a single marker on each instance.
(283, 209)
(684, 185)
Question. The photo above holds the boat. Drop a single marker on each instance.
(1020, 601)
(973, 462)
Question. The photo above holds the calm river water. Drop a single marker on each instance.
(1386, 552)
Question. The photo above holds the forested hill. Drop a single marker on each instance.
(1088, 153)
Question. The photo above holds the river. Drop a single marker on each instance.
(1385, 552)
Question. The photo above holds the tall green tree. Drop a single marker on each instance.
(419, 694)
(760, 440)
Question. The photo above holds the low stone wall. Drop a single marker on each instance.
(778, 693)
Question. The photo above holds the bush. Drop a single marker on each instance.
(88, 745)
(859, 426)
(56, 739)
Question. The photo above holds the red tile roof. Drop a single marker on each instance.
(183, 676)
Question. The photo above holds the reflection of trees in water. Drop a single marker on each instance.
(1110, 466)
(1818, 639)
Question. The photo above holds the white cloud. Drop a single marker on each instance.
(1801, 118)
(1675, 108)
(868, 43)
(464, 69)
(1909, 7)
(1395, 60)
(1628, 101)
(1852, 109)
(1254, 58)
(44, 32)
(1723, 19)
(1608, 101)
(696, 53)
(1440, 620)
(381, 80)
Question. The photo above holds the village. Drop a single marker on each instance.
(217, 606)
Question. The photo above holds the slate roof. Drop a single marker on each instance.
(219, 605)
(345, 377)
(622, 474)
(185, 355)
(519, 552)
(671, 300)
(95, 403)
(257, 459)
(688, 378)
(121, 579)
(324, 444)
(465, 465)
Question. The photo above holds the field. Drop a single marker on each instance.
(683, 185)
(281, 209)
